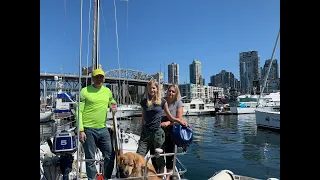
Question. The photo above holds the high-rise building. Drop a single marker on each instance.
(249, 66)
(195, 72)
(173, 73)
(225, 80)
(273, 80)
(274, 70)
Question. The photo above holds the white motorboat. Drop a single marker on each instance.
(125, 111)
(247, 104)
(196, 107)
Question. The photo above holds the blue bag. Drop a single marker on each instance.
(181, 136)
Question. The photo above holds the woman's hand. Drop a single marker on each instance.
(165, 124)
(184, 123)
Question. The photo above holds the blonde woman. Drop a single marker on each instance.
(176, 109)
(152, 135)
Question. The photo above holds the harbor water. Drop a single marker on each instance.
(230, 142)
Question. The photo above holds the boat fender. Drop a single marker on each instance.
(223, 175)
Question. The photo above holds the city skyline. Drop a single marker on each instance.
(152, 35)
(253, 73)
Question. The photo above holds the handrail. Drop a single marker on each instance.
(145, 175)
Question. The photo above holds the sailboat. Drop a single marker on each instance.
(67, 149)
(247, 103)
(268, 117)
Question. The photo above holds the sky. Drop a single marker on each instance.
(155, 33)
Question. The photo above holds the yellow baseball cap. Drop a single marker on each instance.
(97, 72)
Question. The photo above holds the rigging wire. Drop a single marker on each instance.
(105, 28)
(98, 36)
(87, 67)
(127, 90)
(79, 88)
(117, 44)
(104, 21)
(126, 61)
(65, 17)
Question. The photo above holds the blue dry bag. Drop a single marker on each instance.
(181, 136)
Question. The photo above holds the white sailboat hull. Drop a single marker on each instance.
(267, 118)
(197, 112)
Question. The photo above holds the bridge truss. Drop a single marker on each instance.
(122, 82)
(129, 74)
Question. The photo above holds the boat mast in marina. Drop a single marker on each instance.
(267, 74)
(95, 59)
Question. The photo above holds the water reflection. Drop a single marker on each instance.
(202, 127)
(261, 148)
(226, 124)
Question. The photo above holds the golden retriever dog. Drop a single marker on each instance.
(133, 165)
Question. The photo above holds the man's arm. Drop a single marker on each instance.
(112, 102)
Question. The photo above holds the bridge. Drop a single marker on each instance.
(120, 81)
(131, 77)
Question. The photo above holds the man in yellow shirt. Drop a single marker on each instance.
(94, 102)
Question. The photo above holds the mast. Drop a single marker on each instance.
(267, 74)
(95, 35)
